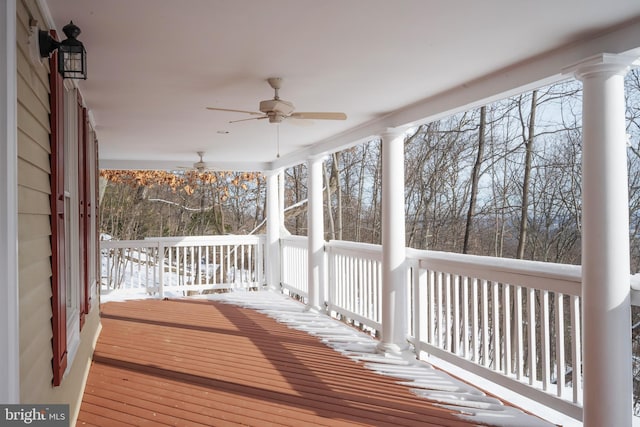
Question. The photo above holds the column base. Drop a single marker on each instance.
(314, 309)
(392, 349)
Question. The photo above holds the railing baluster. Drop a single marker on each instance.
(350, 284)
(465, 336)
(361, 288)
(506, 314)
(208, 267)
(346, 260)
(147, 256)
(254, 274)
(496, 325)
(432, 314)
(354, 284)
(447, 318)
(576, 350)
(260, 260)
(331, 277)
(366, 280)
(560, 365)
(227, 279)
(235, 263)
(485, 323)
(357, 265)
(155, 269)
(216, 265)
(440, 307)
(475, 355)
(546, 350)
(130, 264)
(519, 350)
(250, 271)
(378, 290)
(420, 308)
(161, 260)
(340, 280)
(373, 300)
(185, 265)
(532, 330)
(347, 282)
(192, 264)
(455, 333)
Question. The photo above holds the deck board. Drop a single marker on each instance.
(197, 362)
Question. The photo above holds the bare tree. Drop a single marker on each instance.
(475, 178)
(529, 138)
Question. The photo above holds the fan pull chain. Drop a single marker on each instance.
(278, 140)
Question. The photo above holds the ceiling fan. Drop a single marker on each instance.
(277, 110)
(199, 166)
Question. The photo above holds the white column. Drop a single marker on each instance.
(9, 319)
(281, 201)
(272, 256)
(315, 242)
(394, 301)
(605, 244)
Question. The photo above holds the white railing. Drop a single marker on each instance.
(183, 264)
(129, 264)
(355, 282)
(294, 278)
(516, 323)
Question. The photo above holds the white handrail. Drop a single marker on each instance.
(491, 316)
(515, 322)
(183, 264)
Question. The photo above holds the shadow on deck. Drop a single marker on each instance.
(200, 362)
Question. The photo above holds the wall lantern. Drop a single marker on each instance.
(72, 57)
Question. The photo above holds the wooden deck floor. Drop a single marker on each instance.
(197, 362)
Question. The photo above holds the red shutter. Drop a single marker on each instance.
(96, 211)
(84, 193)
(82, 211)
(88, 161)
(58, 262)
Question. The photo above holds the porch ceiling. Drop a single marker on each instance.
(154, 65)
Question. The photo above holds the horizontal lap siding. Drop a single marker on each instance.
(34, 247)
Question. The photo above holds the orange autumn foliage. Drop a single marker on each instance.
(187, 181)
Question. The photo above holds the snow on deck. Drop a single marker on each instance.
(423, 379)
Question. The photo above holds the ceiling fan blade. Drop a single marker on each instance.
(252, 118)
(234, 111)
(319, 116)
(300, 122)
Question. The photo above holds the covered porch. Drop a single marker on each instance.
(558, 334)
(483, 319)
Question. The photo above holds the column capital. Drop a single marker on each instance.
(271, 172)
(603, 63)
(392, 133)
(314, 158)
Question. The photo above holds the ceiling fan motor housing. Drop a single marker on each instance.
(278, 106)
